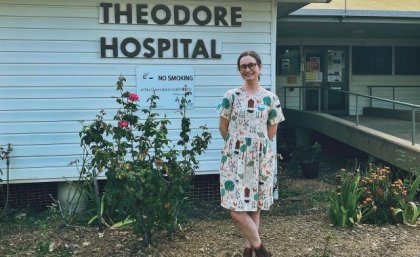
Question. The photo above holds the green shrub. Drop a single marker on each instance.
(381, 194)
(375, 198)
(148, 175)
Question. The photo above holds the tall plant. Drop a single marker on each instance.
(148, 175)
(344, 203)
(182, 171)
(407, 207)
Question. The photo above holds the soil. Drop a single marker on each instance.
(288, 230)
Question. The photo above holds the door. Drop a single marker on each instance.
(325, 68)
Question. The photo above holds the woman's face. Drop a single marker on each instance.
(249, 69)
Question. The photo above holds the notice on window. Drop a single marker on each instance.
(335, 65)
(314, 64)
(313, 76)
(168, 82)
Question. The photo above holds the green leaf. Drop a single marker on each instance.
(413, 189)
(126, 222)
(92, 219)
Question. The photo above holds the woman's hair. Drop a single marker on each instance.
(251, 53)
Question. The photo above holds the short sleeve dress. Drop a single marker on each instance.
(247, 162)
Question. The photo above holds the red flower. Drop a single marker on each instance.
(133, 97)
(123, 124)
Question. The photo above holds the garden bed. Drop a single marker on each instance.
(297, 225)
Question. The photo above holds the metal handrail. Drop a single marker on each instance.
(413, 106)
(393, 91)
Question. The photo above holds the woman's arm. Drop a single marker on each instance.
(223, 127)
(272, 131)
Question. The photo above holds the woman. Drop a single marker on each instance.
(249, 115)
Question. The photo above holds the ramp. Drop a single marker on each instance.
(384, 146)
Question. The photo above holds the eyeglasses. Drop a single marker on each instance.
(251, 66)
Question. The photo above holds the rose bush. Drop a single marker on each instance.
(148, 174)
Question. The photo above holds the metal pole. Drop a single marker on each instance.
(393, 97)
(357, 110)
(284, 94)
(413, 123)
(319, 99)
(300, 99)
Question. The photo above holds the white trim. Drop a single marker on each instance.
(273, 52)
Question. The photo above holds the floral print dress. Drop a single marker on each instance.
(247, 163)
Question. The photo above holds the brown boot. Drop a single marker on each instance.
(247, 252)
(262, 252)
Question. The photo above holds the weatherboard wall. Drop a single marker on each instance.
(52, 76)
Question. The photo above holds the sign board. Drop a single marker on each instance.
(335, 65)
(167, 82)
(312, 76)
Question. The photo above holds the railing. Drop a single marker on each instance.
(357, 95)
(393, 92)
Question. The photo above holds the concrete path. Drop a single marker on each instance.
(398, 128)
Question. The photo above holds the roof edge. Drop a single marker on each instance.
(356, 13)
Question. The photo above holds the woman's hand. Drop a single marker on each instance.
(223, 127)
(271, 131)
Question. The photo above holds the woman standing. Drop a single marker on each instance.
(249, 115)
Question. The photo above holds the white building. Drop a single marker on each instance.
(59, 61)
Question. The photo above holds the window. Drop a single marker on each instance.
(288, 60)
(407, 60)
(372, 60)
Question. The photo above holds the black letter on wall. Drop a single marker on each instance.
(200, 48)
(208, 15)
(140, 13)
(177, 20)
(175, 47)
(119, 13)
(163, 45)
(235, 14)
(106, 7)
(136, 44)
(213, 50)
(185, 42)
(163, 8)
(112, 47)
(146, 44)
(219, 16)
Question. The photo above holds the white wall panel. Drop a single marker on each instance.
(45, 174)
(24, 139)
(64, 159)
(109, 81)
(107, 70)
(69, 126)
